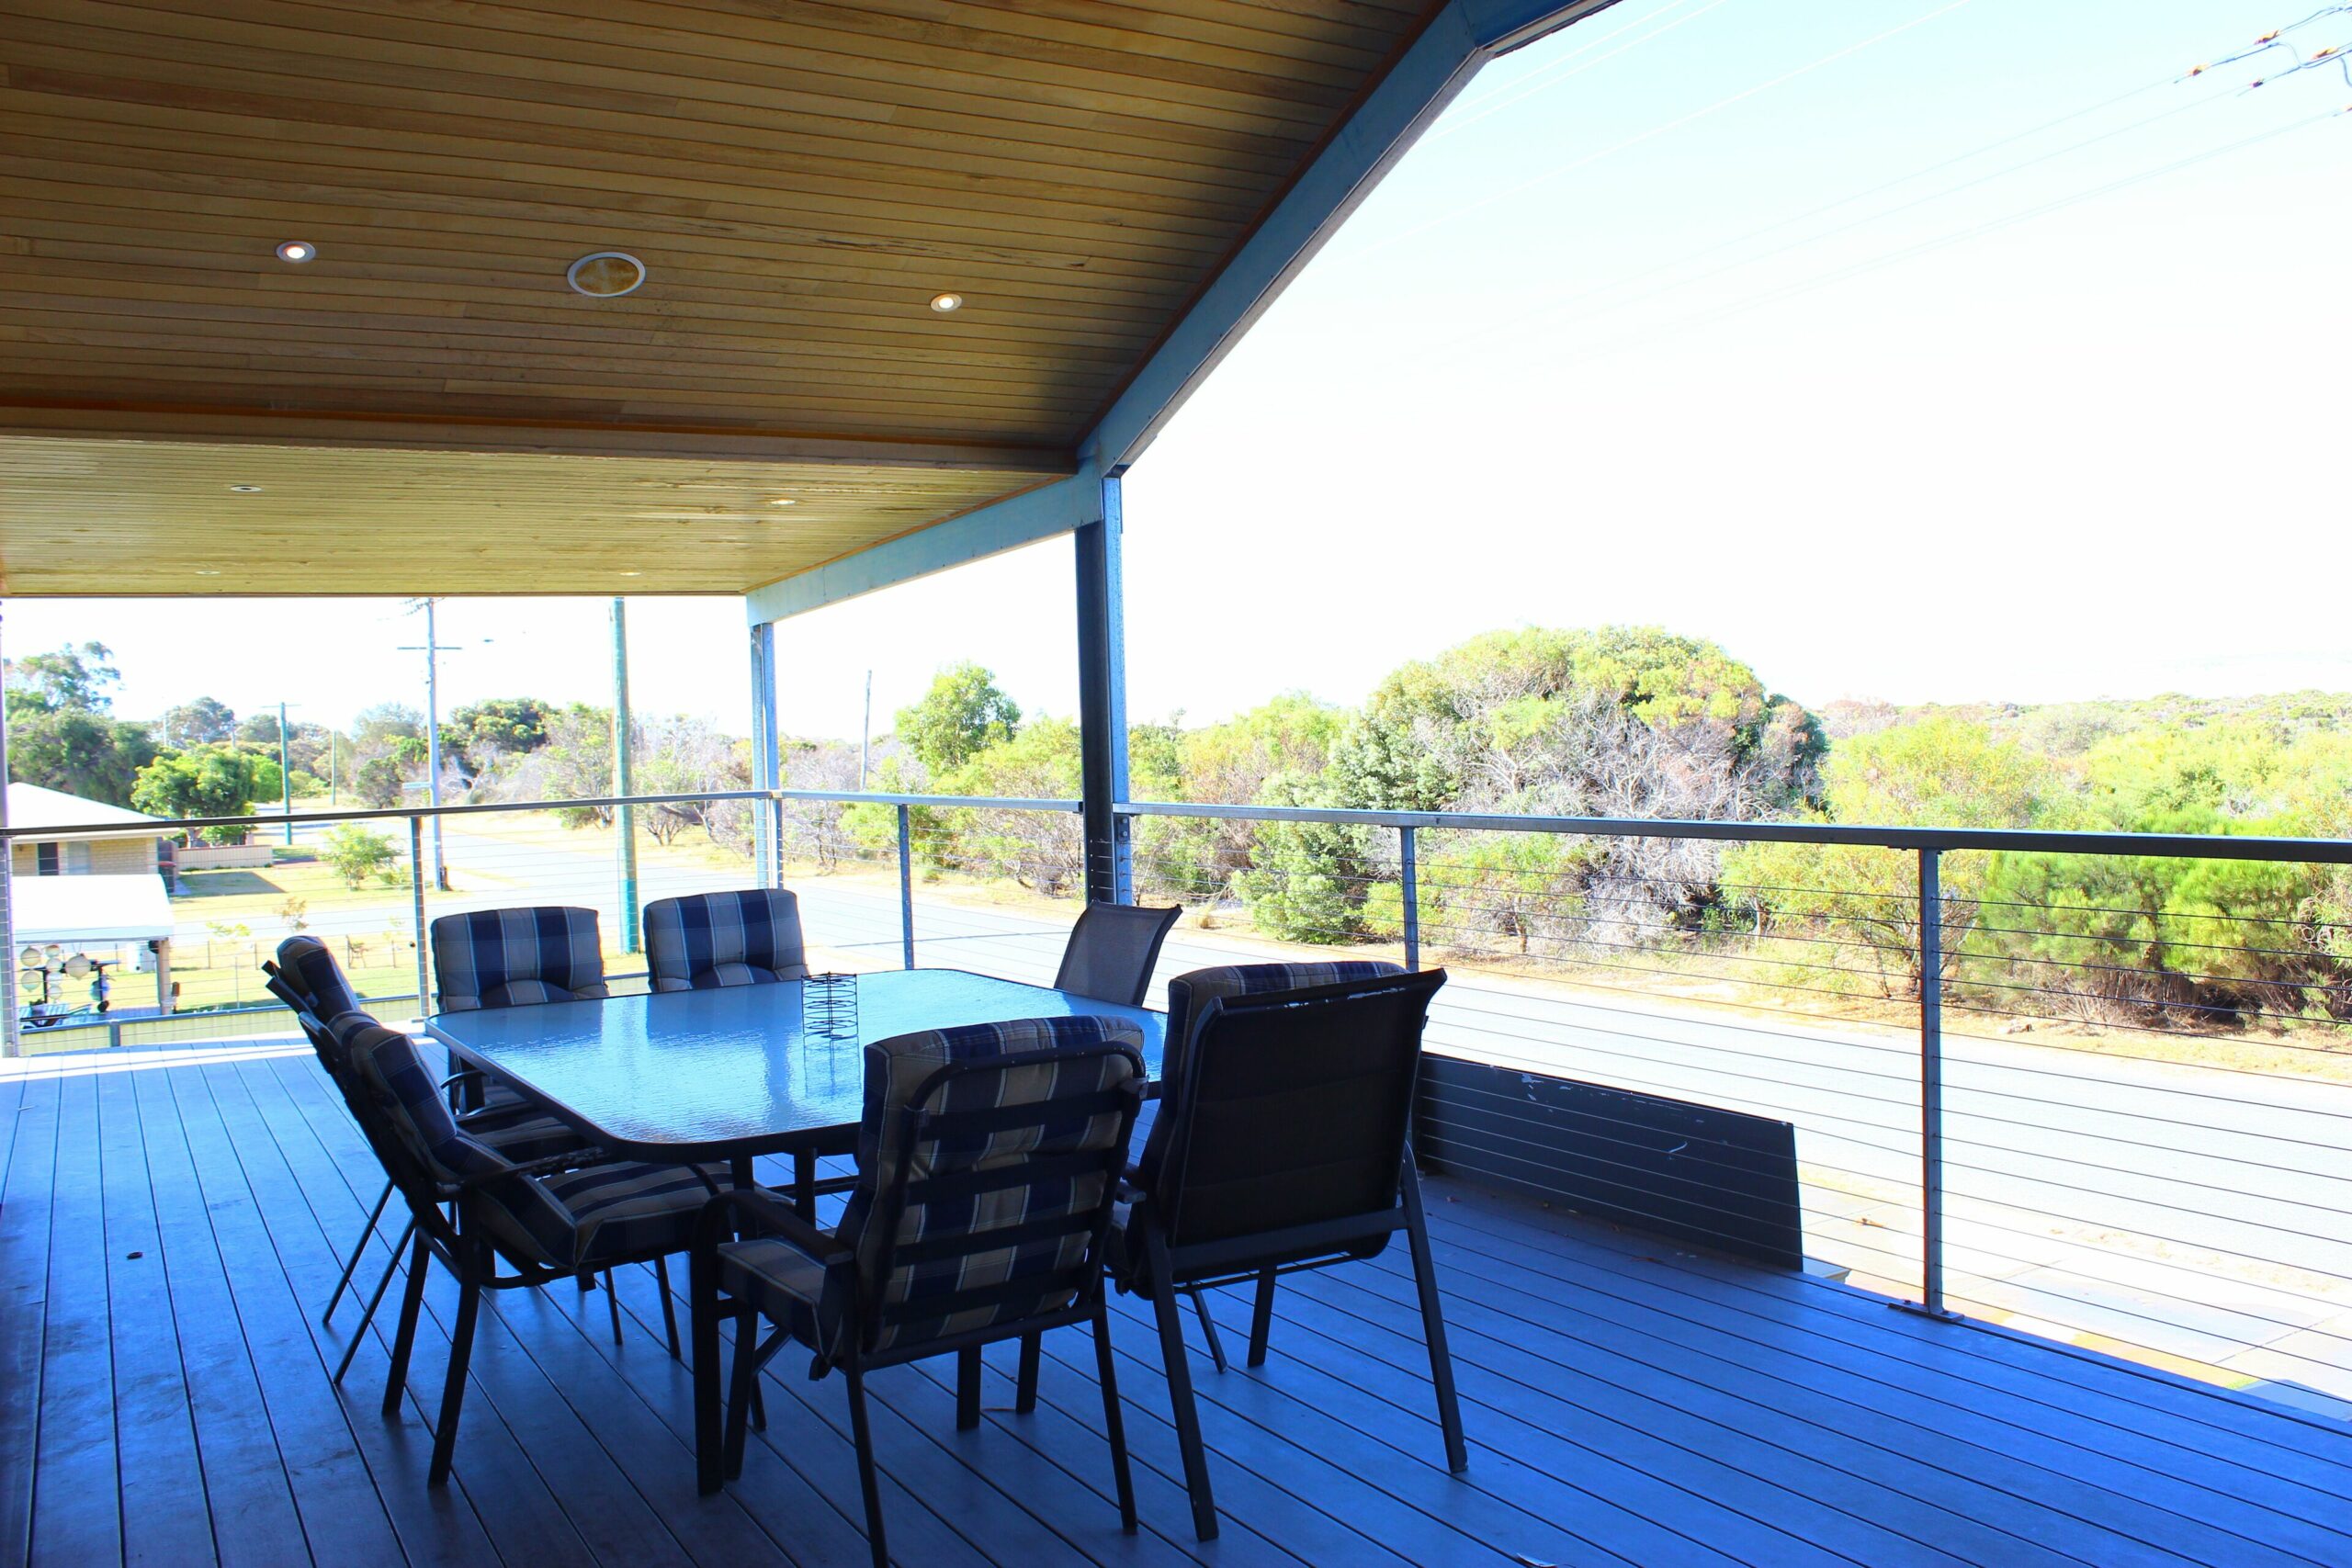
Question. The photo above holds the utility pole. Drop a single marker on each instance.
(624, 817)
(433, 649)
(285, 775)
(865, 730)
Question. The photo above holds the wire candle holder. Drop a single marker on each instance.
(828, 1005)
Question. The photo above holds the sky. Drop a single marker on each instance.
(1916, 350)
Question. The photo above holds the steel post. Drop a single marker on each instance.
(906, 886)
(1409, 885)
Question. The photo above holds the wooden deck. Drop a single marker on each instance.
(168, 1233)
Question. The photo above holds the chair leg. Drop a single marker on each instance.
(868, 1481)
(358, 1250)
(453, 1388)
(612, 1305)
(967, 1388)
(669, 1308)
(420, 1259)
(391, 1267)
(1449, 1408)
(1262, 1319)
(1115, 1425)
(1180, 1390)
(743, 1384)
(1208, 1328)
(1024, 1400)
(703, 1281)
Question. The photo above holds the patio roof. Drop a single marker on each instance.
(426, 407)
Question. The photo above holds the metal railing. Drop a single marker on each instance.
(2114, 1127)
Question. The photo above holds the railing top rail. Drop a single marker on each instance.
(944, 801)
(400, 813)
(2186, 846)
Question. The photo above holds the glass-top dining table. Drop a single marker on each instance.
(732, 1074)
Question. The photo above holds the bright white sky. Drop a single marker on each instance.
(1845, 333)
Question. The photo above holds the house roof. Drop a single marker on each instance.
(34, 807)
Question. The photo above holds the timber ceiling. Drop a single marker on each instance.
(427, 406)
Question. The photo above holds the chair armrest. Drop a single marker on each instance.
(767, 1214)
(547, 1165)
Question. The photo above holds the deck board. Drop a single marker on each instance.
(1625, 1403)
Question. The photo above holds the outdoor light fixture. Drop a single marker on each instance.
(247, 489)
(297, 251)
(784, 501)
(632, 574)
(208, 572)
(605, 274)
(943, 303)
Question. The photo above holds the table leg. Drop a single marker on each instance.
(804, 1183)
(740, 1172)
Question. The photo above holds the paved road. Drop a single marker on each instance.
(2187, 1212)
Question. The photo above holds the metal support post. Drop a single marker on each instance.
(767, 759)
(624, 817)
(1931, 1086)
(1409, 880)
(906, 886)
(12, 1042)
(417, 911)
(1102, 704)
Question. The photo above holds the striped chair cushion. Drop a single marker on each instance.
(620, 1211)
(306, 962)
(409, 1094)
(1063, 1059)
(724, 939)
(500, 958)
(1189, 993)
(519, 1131)
(907, 1071)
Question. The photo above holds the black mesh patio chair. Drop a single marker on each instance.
(1281, 1145)
(989, 1161)
(564, 1216)
(1112, 950)
(710, 940)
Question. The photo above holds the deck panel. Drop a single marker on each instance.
(1625, 1403)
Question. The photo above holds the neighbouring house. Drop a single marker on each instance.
(106, 840)
(117, 905)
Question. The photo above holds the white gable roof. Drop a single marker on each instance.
(78, 911)
(32, 806)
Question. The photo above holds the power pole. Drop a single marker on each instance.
(865, 730)
(624, 817)
(433, 649)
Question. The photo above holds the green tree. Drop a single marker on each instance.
(199, 722)
(496, 727)
(376, 727)
(378, 782)
(355, 854)
(963, 712)
(62, 733)
(205, 781)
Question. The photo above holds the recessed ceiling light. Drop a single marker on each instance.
(247, 489)
(943, 303)
(605, 274)
(207, 571)
(297, 251)
(632, 574)
(784, 501)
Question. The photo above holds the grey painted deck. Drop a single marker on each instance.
(168, 1233)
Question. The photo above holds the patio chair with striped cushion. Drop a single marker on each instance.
(503, 958)
(710, 940)
(569, 1215)
(988, 1158)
